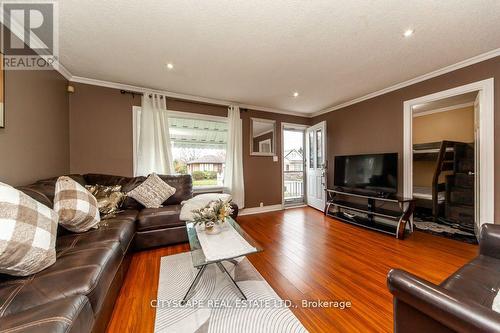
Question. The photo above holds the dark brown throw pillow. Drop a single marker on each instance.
(109, 199)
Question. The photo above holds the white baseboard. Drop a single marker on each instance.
(257, 210)
(295, 206)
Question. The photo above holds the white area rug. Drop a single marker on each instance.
(436, 227)
(215, 305)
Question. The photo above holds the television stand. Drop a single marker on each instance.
(371, 211)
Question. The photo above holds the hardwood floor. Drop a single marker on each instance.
(309, 256)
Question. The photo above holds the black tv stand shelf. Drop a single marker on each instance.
(371, 211)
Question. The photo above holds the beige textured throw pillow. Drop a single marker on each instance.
(28, 231)
(77, 208)
(152, 192)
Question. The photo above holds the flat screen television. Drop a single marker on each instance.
(374, 173)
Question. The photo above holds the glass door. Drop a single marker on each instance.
(316, 165)
(293, 166)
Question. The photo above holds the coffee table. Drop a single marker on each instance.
(201, 262)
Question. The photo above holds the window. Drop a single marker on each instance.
(311, 150)
(319, 149)
(199, 147)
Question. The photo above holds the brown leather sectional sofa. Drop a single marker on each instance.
(462, 303)
(78, 292)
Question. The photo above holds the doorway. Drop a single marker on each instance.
(482, 169)
(444, 145)
(293, 162)
(316, 166)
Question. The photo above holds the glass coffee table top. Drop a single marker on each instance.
(197, 254)
(200, 262)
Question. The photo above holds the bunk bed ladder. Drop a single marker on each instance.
(442, 165)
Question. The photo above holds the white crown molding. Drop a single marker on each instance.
(63, 71)
(258, 210)
(417, 113)
(471, 61)
(18, 31)
(171, 94)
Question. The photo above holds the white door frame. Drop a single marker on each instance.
(323, 125)
(301, 128)
(486, 143)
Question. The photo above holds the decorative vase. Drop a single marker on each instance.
(223, 224)
(213, 230)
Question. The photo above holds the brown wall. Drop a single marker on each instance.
(100, 130)
(101, 138)
(453, 125)
(34, 142)
(262, 175)
(376, 125)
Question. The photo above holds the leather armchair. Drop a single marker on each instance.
(462, 303)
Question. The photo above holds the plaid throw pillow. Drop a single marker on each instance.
(76, 207)
(28, 232)
(152, 192)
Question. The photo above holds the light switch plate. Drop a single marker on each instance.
(275, 158)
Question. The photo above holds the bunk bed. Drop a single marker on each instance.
(446, 155)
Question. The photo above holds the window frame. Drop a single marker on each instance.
(176, 114)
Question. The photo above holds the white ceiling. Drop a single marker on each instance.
(259, 52)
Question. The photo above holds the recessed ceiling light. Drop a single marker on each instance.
(170, 66)
(296, 94)
(408, 32)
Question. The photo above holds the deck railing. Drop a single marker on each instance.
(294, 184)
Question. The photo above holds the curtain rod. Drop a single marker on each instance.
(137, 93)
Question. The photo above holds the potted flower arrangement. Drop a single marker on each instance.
(212, 216)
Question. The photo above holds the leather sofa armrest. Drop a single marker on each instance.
(489, 240)
(439, 306)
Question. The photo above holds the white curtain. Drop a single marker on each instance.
(233, 173)
(154, 151)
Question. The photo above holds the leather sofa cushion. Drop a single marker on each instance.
(70, 314)
(183, 188)
(112, 230)
(86, 265)
(479, 280)
(37, 193)
(77, 271)
(44, 190)
(159, 218)
(160, 237)
(129, 215)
